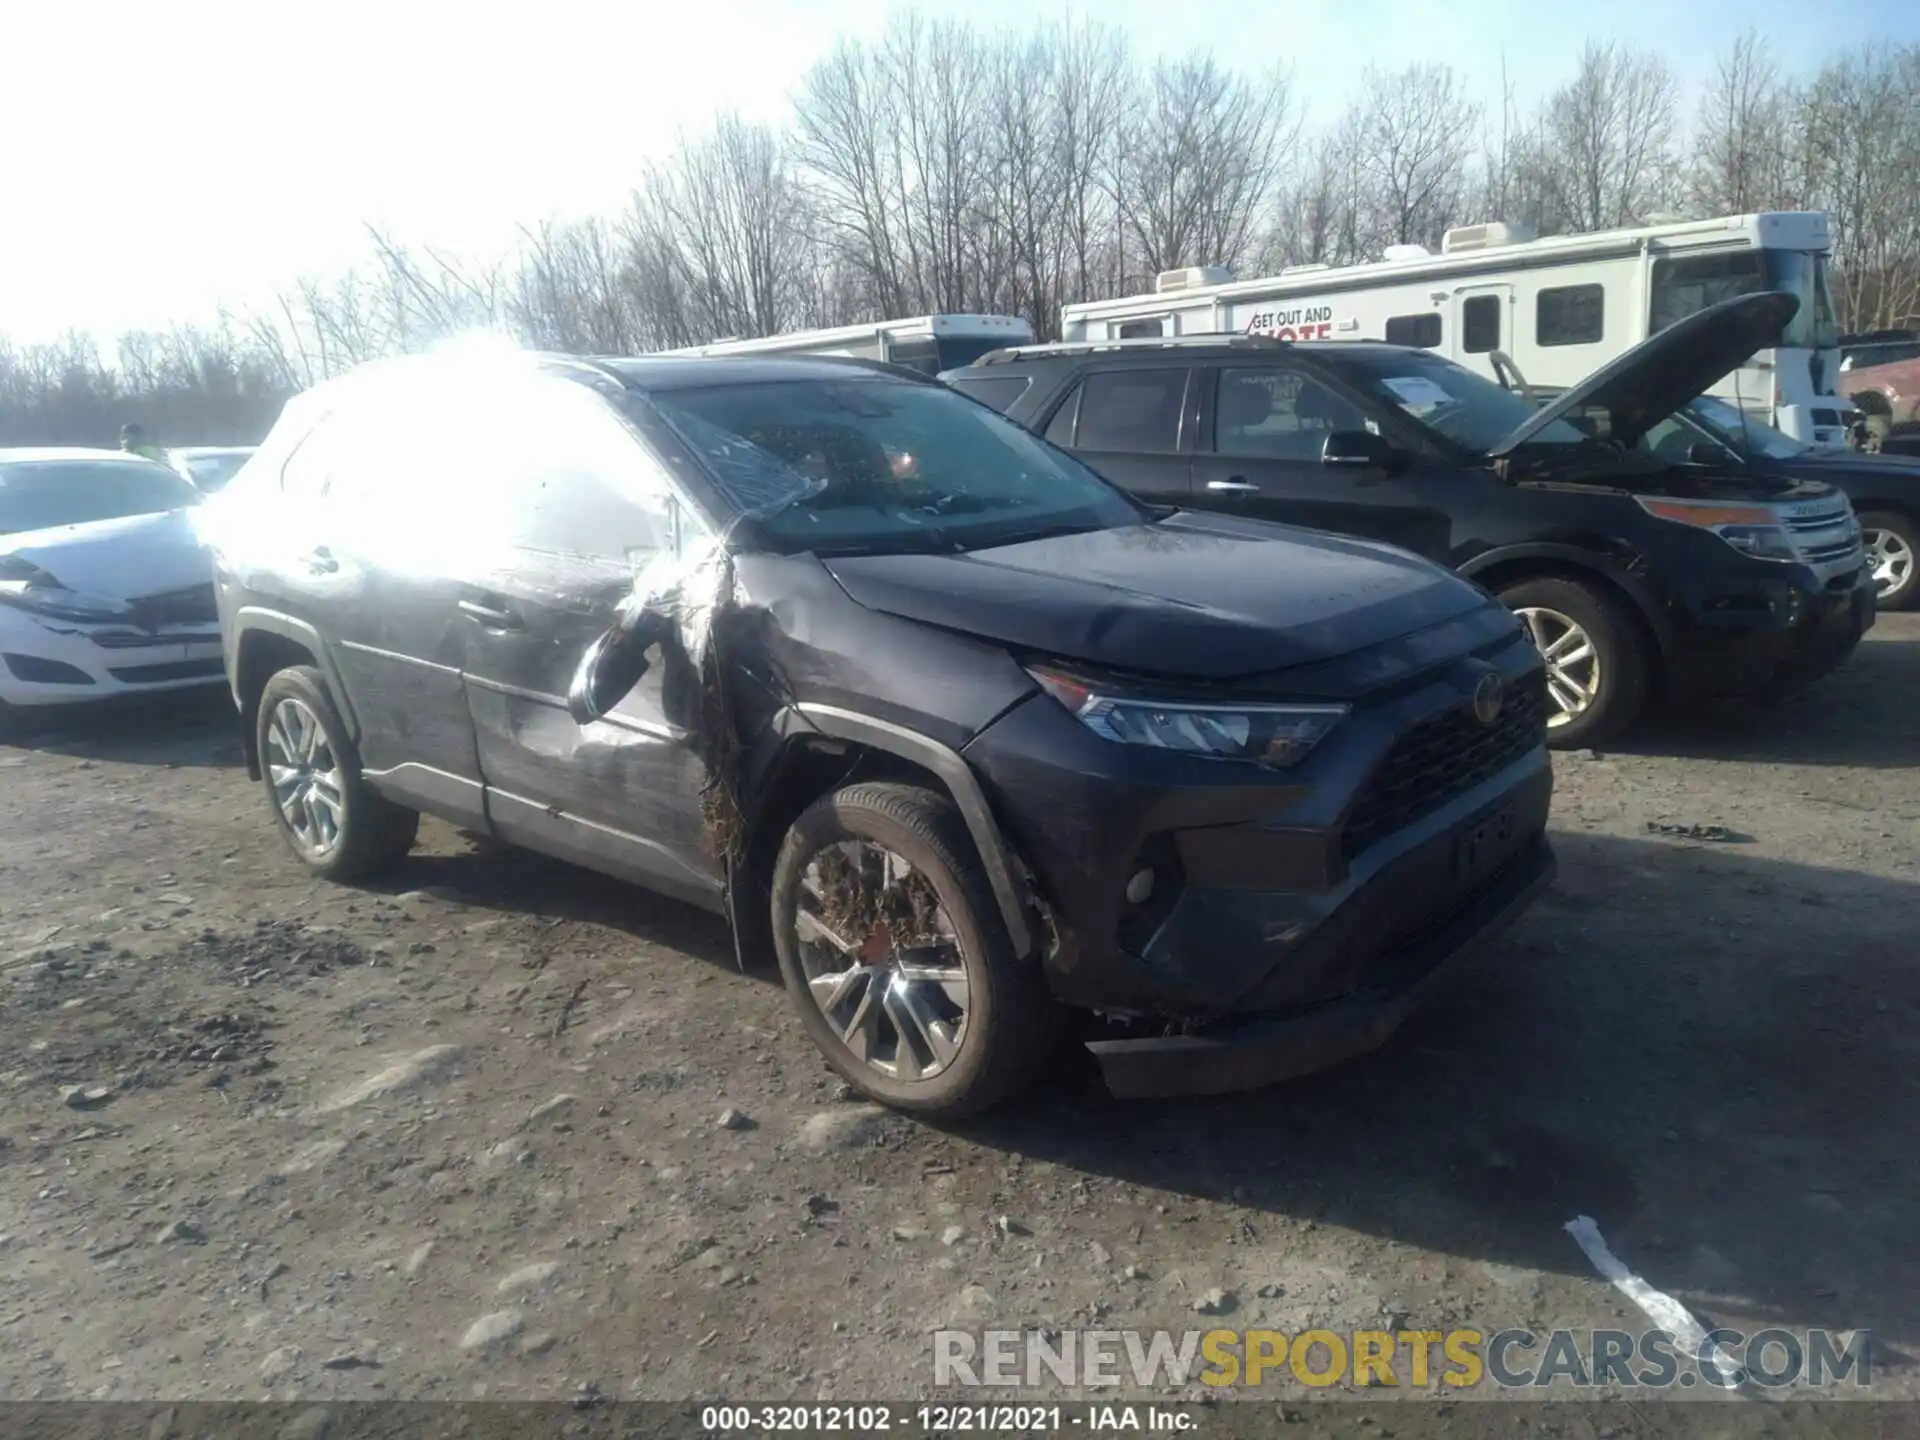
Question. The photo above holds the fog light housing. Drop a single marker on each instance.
(1153, 888)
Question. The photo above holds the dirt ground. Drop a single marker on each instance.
(461, 1136)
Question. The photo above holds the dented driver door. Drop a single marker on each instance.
(579, 510)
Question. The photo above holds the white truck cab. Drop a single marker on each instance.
(927, 343)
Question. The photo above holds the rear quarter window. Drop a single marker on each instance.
(1136, 410)
(996, 392)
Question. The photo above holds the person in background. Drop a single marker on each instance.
(134, 440)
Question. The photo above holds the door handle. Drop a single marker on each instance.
(492, 616)
(320, 560)
(1235, 486)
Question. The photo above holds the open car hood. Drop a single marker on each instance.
(1665, 371)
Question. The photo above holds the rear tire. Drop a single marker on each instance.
(338, 826)
(981, 1020)
(1599, 666)
(1893, 546)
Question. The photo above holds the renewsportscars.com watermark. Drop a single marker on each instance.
(1366, 1359)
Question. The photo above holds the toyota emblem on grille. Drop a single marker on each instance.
(1487, 699)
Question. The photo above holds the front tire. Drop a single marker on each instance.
(338, 825)
(1599, 667)
(895, 954)
(1893, 550)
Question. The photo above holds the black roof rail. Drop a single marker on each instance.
(1236, 339)
(600, 368)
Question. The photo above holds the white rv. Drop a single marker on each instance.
(1560, 307)
(928, 343)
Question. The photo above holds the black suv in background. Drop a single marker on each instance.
(1637, 578)
(970, 735)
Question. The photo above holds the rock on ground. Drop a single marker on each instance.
(402, 1075)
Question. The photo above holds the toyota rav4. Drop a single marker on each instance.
(970, 737)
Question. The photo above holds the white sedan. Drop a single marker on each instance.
(104, 586)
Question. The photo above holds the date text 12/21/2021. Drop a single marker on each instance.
(909, 1419)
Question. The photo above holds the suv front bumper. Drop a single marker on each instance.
(1773, 636)
(51, 662)
(1241, 1054)
(1278, 933)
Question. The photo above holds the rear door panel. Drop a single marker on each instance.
(1134, 426)
(363, 497)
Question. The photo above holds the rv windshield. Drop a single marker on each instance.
(932, 354)
(883, 466)
(1449, 399)
(1804, 276)
(1684, 284)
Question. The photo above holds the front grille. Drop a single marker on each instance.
(170, 670)
(194, 605)
(1833, 551)
(1444, 756)
(147, 639)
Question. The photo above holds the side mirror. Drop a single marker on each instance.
(612, 666)
(1705, 452)
(1358, 450)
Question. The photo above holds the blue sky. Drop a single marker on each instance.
(206, 151)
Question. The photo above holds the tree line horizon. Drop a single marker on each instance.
(947, 169)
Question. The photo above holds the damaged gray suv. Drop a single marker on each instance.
(973, 742)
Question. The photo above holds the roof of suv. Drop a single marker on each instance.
(1203, 347)
(679, 372)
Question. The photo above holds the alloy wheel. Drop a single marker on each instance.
(882, 960)
(1891, 558)
(1573, 663)
(307, 783)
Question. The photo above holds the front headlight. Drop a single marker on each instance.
(1273, 735)
(1751, 529)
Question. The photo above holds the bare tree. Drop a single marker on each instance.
(1504, 144)
(1601, 154)
(1862, 122)
(846, 115)
(570, 289)
(1092, 75)
(735, 226)
(1741, 150)
(1413, 129)
(1200, 163)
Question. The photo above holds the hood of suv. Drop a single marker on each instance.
(1206, 597)
(1665, 371)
